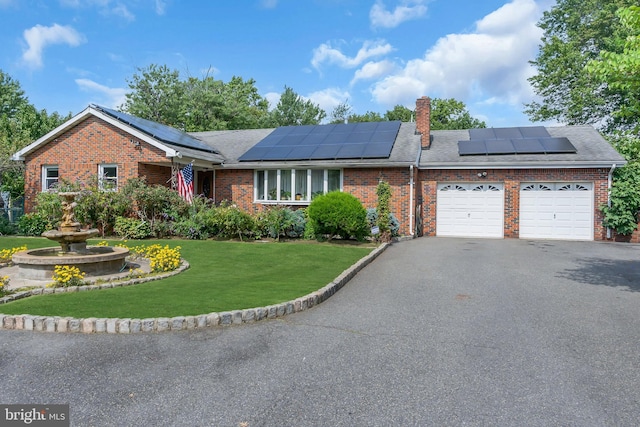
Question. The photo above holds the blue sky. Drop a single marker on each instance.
(372, 54)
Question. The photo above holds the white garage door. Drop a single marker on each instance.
(470, 210)
(556, 211)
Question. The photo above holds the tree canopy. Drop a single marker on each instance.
(445, 114)
(575, 32)
(20, 124)
(293, 110)
(621, 71)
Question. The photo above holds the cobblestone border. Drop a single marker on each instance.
(27, 322)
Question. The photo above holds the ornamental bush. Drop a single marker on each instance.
(394, 224)
(131, 228)
(277, 222)
(33, 224)
(338, 214)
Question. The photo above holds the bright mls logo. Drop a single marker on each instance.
(34, 415)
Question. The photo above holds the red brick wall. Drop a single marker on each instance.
(79, 151)
(237, 186)
(512, 178)
(155, 174)
(363, 183)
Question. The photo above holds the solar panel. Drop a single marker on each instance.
(527, 146)
(471, 148)
(158, 131)
(507, 133)
(557, 145)
(351, 151)
(534, 132)
(499, 146)
(325, 151)
(517, 140)
(321, 142)
(482, 133)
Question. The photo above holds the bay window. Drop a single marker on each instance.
(295, 185)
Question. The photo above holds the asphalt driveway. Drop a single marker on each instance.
(434, 332)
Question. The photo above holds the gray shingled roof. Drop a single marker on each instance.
(592, 151)
(234, 143)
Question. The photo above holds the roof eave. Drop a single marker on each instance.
(525, 165)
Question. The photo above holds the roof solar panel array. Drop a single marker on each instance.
(519, 140)
(326, 142)
(158, 131)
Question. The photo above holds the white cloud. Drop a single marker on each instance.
(269, 4)
(373, 70)
(329, 98)
(122, 11)
(273, 98)
(106, 96)
(490, 63)
(325, 53)
(39, 37)
(161, 7)
(406, 10)
(110, 7)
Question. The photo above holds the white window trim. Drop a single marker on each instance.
(45, 169)
(291, 200)
(101, 179)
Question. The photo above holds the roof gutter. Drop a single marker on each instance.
(519, 165)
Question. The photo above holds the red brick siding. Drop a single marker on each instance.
(155, 174)
(80, 150)
(512, 178)
(363, 183)
(236, 186)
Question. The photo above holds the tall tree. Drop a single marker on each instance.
(575, 32)
(20, 124)
(451, 114)
(401, 113)
(293, 110)
(156, 94)
(621, 71)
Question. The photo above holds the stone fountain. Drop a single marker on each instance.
(39, 264)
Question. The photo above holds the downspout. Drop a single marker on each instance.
(214, 186)
(411, 210)
(609, 185)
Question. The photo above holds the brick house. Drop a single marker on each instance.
(530, 182)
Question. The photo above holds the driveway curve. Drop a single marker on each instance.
(434, 332)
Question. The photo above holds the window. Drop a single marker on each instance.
(50, 177)
(108, 177)
(295, 186)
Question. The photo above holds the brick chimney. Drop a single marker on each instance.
(423, 120)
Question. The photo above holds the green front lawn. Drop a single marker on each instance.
(223, 276)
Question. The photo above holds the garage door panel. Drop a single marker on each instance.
(470, 210)
(557, 211)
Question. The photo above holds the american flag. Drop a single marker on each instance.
(185, 183)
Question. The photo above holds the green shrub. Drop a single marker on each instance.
(132, 228)
(338, 214)
(393, 225)
(6, 227)
(279, 222)
(190, 228)
(33, 224)
(232, 222)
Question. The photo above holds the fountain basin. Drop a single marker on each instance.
(71, 241)
(39, 264)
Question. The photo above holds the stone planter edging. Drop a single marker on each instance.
(29, 322)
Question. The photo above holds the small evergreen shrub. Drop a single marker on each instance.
(234, 222)
(191, 228)
(394, 224)
(132, 228)
(338, 214)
